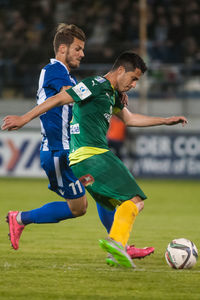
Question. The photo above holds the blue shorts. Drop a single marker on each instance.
(61, 178)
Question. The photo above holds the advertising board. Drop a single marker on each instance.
(152, 155)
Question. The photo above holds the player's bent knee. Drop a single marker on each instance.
(140, 205)
(78, 206)
(138, 202)
(78, 213)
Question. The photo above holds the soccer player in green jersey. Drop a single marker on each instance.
(107, 179)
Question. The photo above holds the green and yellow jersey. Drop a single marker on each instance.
(95, 102)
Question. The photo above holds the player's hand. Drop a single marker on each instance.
(12, 123)
(176, 120)
(124, 99)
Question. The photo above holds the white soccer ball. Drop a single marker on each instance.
(181, 254)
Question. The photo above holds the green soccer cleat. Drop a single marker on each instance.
(118, 252)
(111, 261)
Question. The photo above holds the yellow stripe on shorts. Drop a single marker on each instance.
(83, 153)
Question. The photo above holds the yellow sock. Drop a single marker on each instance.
(123, 221)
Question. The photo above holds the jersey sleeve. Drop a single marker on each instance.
(84, 90)
(56, 78)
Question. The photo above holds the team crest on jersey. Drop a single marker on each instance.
(82, 90)
(100, 79)
(74, 129)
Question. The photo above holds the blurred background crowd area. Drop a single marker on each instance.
(173, 41)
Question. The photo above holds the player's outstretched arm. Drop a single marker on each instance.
(138, 120)
(16, 122)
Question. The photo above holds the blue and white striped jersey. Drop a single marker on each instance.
(55, 127)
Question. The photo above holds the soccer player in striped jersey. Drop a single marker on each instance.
(69, 43)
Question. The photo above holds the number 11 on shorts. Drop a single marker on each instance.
(74, 187)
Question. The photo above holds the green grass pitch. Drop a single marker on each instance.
(64, 261)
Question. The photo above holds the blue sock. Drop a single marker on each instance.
(52, 212)
(106, 216)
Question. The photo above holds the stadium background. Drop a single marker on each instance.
(165, 33)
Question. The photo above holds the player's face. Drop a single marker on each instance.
(127, 80)
(74, 54)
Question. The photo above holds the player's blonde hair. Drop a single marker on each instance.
(65, 34)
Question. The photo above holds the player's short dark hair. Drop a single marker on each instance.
(130, 61)
(65, 34)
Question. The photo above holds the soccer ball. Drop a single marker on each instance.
(181, 254)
